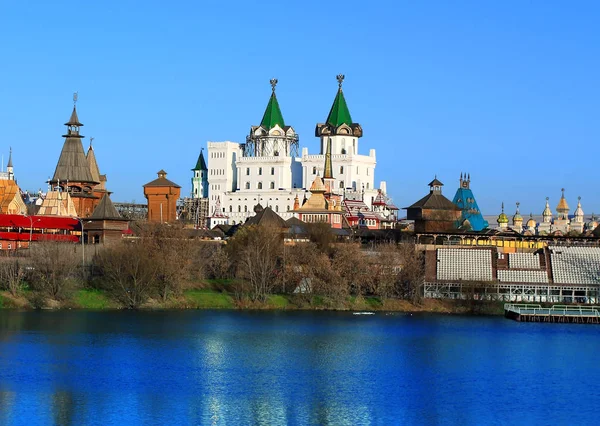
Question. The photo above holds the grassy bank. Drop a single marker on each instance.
(93, 299)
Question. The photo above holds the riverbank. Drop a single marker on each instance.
(93, 299)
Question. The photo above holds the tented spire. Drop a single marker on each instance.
(272, 115)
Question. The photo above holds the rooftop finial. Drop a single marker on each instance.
(91, 140)
(563, 192)
(75, 97)
(518, 204)
(273, 82)
(502, 206)
(579, 198)
(340, 79)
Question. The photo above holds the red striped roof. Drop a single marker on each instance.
(39, 222)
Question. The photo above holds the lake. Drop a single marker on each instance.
(272, 368)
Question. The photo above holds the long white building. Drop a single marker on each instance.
(268, 170)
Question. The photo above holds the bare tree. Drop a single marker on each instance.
(128, 271)
(12, 273)
(411, 276)
(385, 269)
(258, 251)
(53, 267)
(351, 270)
(307, 269)
(219, 264)
(170, 249)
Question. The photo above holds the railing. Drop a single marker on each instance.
(555, 310)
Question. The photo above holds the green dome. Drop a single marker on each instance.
(502, 218)
(517, 217)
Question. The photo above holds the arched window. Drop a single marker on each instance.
(259, 185)
(272, 185)
(245, 209)
(276, 208)
(247, 185)
(239, 209)
(314, 170)
(247, 171)
(260, 171)
(341, 184)
(341, 169)
(272, 170)
(230, 209)
(367, 185)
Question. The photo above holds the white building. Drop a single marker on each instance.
(268, 170)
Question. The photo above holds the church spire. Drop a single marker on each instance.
(9, 164)
(272, 115)
(328, 171)
(200, 164)
(72, 164)
(339, 113)
(339, 118)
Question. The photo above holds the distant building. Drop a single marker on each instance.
(268, 168)
(471, 217)
(434, 212)
(162, 196)
(105, 225)
(78, 174)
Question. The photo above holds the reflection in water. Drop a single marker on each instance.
(7, 401)
(63, 408)
(203, 367)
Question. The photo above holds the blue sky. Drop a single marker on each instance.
(508, 91)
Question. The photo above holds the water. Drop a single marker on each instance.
(240, 368)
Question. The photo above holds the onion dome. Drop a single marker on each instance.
(531, 222)
(502, 218)
(258, 208)
(578, 210)
(517, 217)
(547, 212)
(593, 223)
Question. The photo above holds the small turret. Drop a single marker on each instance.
(517, 219)
(9, 166)
(503, 219)
(578, 215)
(531, 224)
(547, 213)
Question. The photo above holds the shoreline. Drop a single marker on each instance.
(96, 300)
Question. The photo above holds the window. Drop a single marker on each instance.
(239, 209)
(259, 185)
(260, 171)
(341, 169)
(272, 186)
(276, 208)
(230, 209)
(341, 184)
(357, 170)
(247, 171)
(314, 170)
(245, 209)
(272, 170)
(367, 185)
(247, 185)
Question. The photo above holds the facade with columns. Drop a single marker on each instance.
(268, 169)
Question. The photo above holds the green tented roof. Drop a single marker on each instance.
(273, 114)
(200, 164)
(339, 113)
